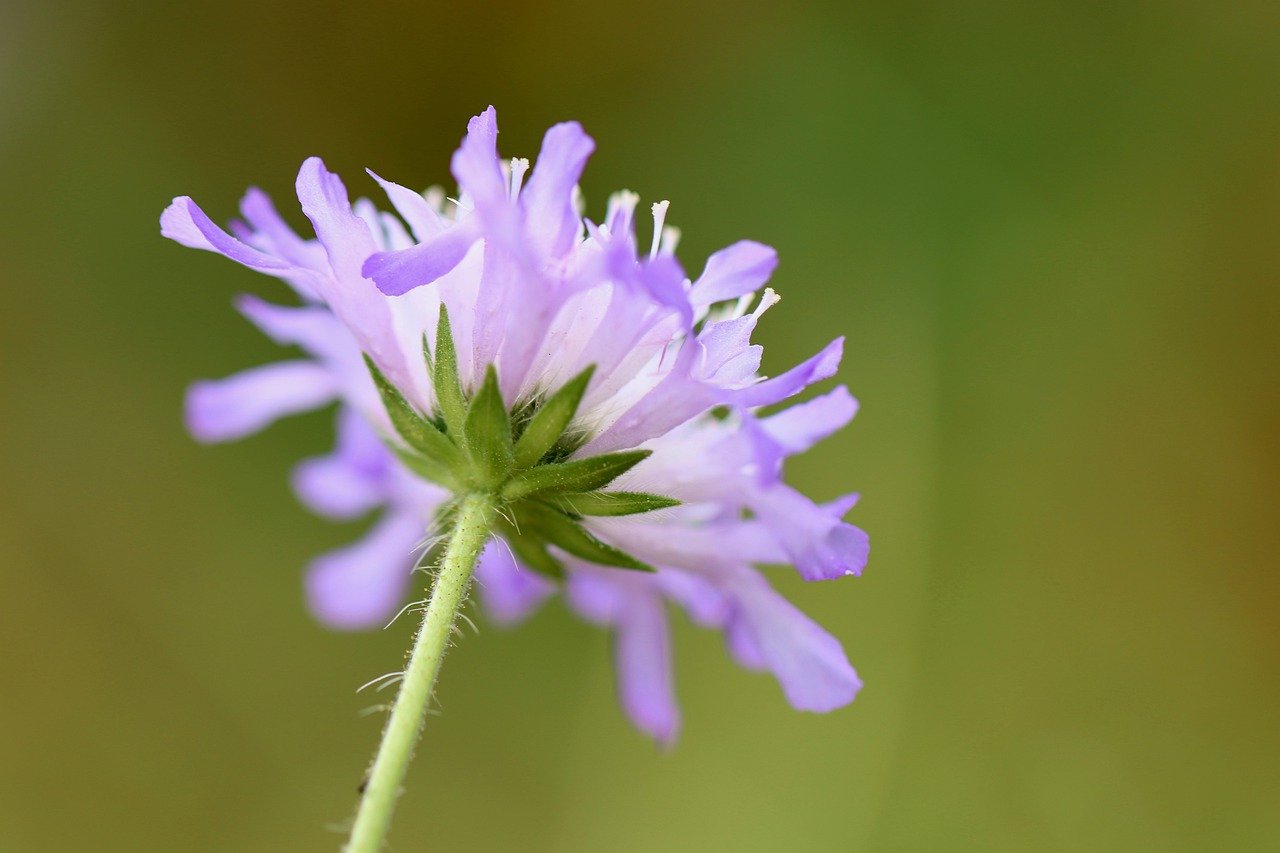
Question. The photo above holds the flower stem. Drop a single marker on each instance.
(466, 540)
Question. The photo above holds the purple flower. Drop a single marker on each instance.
(547, 302)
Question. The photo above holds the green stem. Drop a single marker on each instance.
(373, 818)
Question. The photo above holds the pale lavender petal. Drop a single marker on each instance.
(705, 604)
(399, 272)
(353, 298)
(363, 585)
(184, 222)
(594, 596)
(820, 545)
(642, 657)
(242, 404)
(421, 217)
(691, 546)
(352, 480)
(475, 163)
(803, 425)
(808, 662)
(268, 226)
(674, 400)
(313, 328)
(553, 224)
(740, 639)
(819, 367)
(508, 590)
(735, 271)
(729, 359)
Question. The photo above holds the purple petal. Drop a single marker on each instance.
(313, 328)
(353, 479)
(242, 404)
(735, 271)
(475, 163)
(553, 222)
(819, 367)
(595, 595)
(674, 400)
(642, 656)
(805, 424)
(808, 662)
(362, 585)
(184, 222)
(705, 604)
(820, 545)
(270, 227)
(508, 590)
(348, 242)
(397, 273)
(422, 219)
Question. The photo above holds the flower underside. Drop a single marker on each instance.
(520, 458)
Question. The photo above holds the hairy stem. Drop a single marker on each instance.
(466, 540)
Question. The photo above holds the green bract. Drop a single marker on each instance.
(519, 458)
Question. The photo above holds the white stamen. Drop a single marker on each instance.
(435, 197)
(740, 307)
(659, 217)
(519, 166)
(768, 299)
(622, 202)
(670, 237)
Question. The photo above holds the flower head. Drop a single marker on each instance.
(501, 342)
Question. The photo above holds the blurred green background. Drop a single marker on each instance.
(1049, 231)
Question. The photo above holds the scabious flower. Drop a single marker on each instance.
(503, 342)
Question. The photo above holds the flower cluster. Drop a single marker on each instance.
(503, 341)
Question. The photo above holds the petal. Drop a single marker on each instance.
(242, 404)
(475, 163)
(270, 228)
(362, 585)
(735, 271)
(313, 328)
(184, 222)
(422, 218)
(553, 224)
(801, 426)
(354, 299)
(399, 272)
(508, 590)
(819, 367)
(642, 657)
(705, 604)
(594, 596)
(820, 545)
(808, 662)
(353, 479)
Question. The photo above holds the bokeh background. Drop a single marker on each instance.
(1049, 231)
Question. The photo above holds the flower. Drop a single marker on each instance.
(502, 341)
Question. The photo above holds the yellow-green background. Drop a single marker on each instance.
(1049, 232)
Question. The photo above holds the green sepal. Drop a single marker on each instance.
(555, 527)
(418, 432)
(611, 503)
(488, 434)
(443, 367)
(551, 420)
(531, 552)
(577, 475)
(427, 467)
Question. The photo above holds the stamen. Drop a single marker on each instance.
(622, 205)
(659, 217)
(519, 166)
(435, 197)
(768, 299)
(670, 237)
